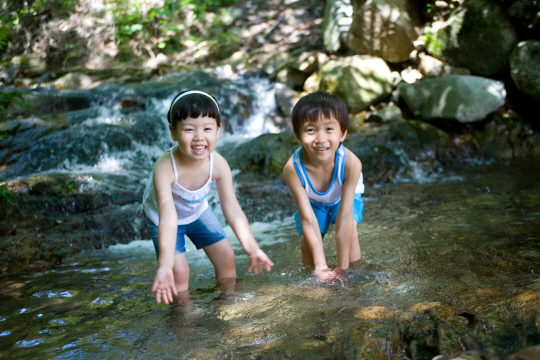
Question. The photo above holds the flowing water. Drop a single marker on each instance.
(466, 239)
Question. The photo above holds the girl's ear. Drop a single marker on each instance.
(173, 132)
(219, 130)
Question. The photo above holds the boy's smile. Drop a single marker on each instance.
(196, 137)
(321, 139)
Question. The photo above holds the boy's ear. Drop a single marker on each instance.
(297, 139)
(343, 135)
(173, 133)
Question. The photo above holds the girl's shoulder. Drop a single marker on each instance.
(220, 166)
(163, 165)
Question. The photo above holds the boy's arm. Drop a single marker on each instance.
(344, 219)
(236, 218)
(308, 221)
(163, 177)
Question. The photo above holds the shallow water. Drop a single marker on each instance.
(467, 241)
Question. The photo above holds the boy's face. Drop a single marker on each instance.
(321, 139)
(196, 137)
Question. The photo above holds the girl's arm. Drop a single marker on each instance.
(235, 216)
(344, 219)
(308, 221)
(164, 285)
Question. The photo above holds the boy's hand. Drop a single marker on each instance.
(164, 285)
(327, 274)
(257, 260)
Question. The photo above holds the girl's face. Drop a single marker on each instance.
(196, 137)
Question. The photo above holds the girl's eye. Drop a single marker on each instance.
(208, 129)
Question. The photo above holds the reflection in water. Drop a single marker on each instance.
(467, 244)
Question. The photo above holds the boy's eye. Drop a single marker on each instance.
(329, 129)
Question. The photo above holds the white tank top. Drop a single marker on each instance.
(333, 195)
(189, 204)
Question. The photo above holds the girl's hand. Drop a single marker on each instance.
(257, 260)
(164, 286)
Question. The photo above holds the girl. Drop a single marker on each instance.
(175, 202)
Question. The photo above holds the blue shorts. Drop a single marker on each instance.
(327, 214)
(204, 231)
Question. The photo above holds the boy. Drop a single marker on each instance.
(325, 180)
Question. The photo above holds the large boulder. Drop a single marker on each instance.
(477, 35)
(465, 98)
(357, 80)
(337, 21)
(384, 28)
(526, 12)
(525, 67)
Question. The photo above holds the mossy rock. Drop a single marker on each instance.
(477, 36)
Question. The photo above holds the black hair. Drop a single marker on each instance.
(312, 107)
(192, 105)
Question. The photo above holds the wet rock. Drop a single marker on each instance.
(265, 155)
(129, 103)
(358, 80)
(8, 75)
(384, 28)
(525, 67)
(372, 341)
(285, 99)
(477, 36)
(43, 104)
(337, 21)
(460, 97)
(507, 137)
(74, 81)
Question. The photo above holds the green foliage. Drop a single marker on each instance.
(30, 13)
(68, 187)
(5, 193)
(166, 27)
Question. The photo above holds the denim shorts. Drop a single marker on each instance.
(204, 231)
(327, 214)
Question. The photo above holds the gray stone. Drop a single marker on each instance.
(358, 80)
(464, 98)
(477, 36)
(384, 28)
(284, 99)
(386, 114)
(8, 75)
(525, 67)
(337, 21)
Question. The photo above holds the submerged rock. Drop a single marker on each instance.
(458, 97)
(477, 36)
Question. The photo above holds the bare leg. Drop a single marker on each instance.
(355, 254)
(181, 272)
(221, 255)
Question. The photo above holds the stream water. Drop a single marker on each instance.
(467, 239)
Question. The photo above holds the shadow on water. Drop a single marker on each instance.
(470, 243)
